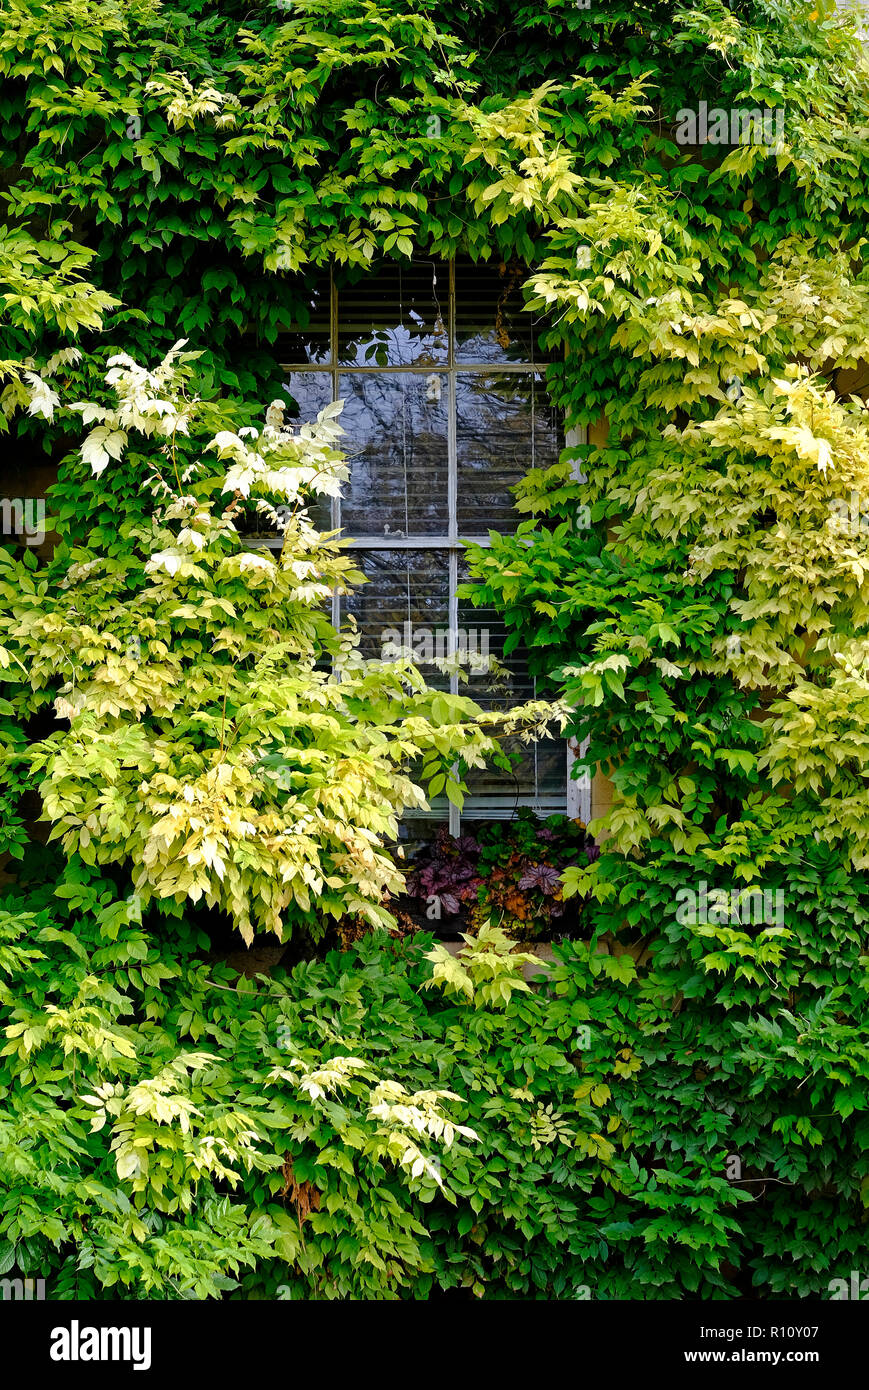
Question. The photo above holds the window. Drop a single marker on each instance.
(445, 408)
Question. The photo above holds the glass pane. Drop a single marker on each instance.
(306, 393)
(396, 316)
(404, 604)
(492, 323)
(416, 832)
(396, 440)
(505, 424)
(309, 392)
(306, 339)
(539, 776)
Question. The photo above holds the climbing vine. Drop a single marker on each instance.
(685, 1111)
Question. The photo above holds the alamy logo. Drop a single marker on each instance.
(737, 906)
(76, 1343)
(735, 126)
(856, 1288)
(424, 644)
(22, 1290)
(849, 512)
(23, 516)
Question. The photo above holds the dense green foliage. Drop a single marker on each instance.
(710, 627)
(201, 152)
(289, 1137)
(208, 751)
(166, 1128)
(266, 1144)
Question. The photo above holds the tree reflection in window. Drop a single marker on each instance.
(398, 452)
(505, 425)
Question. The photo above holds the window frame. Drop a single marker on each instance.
(578, 791)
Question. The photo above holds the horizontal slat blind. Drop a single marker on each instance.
(406, 597)
(504, 426)
(395, 318)
(492, 324)
(396, 435)
(538, 775)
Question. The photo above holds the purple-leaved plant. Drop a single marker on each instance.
(542, 876)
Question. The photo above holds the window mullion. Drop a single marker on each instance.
(455, 814)
(335, 504)
(452, 507)
(578, 789)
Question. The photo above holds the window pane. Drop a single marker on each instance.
(417, 829)
(396, 442)
(309, 392)
(404, 603)
(539, 777)
(396, 316)
(406, 597)
(492, 323)
(307, 338)
(505, 425)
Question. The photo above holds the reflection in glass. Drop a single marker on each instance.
(395, 317)
(538, 774)
(492, 323)
(307, 341)
(505, 425)
(308, 393)
(404, 603)
(396, 443)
